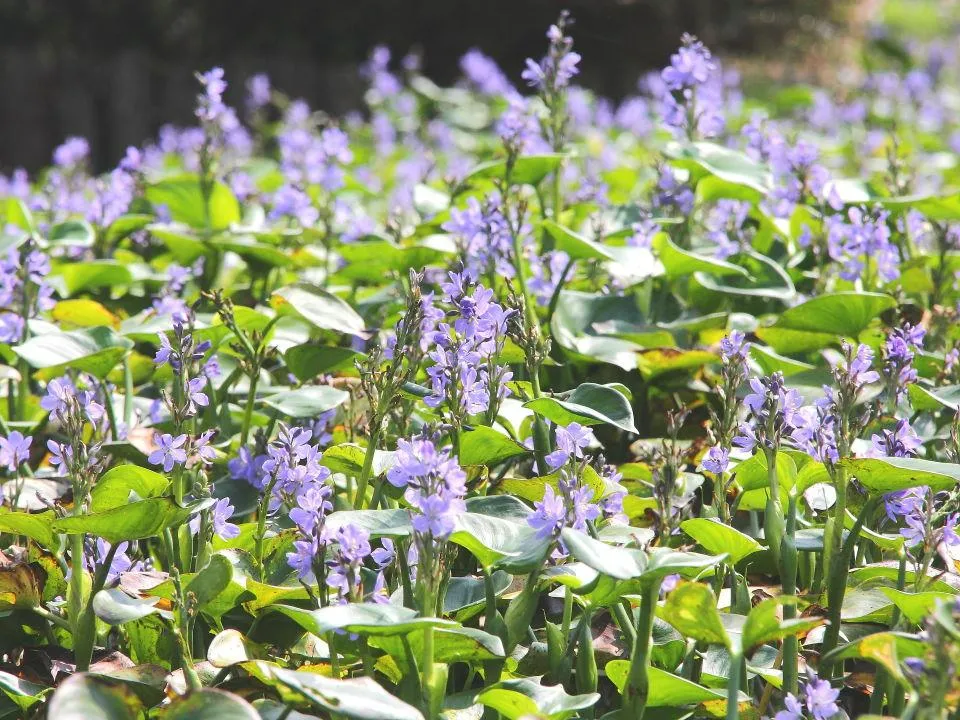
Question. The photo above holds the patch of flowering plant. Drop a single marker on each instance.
(497, 400)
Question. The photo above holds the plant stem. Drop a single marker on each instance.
(733, 686)
(248, 407)
(262, 508)
(364, 480)
(637, 689)
(788, 580)
(83, 630)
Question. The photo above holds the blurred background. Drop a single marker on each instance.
(114, 71)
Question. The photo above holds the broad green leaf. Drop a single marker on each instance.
(74, 277)
(789, 341)
(727, 164)
(574, 244)
(211, 580)
(347, 458)
(521, 697)
(142, 519)
(23, 693)
(666, 689)
(185, 246)
(527, 169)
(844, 313)
(499, 543)
(763, 278)
(469, 592)
(209, 704)
(115, 607)
(123, 484)
(256, 253)
(883, 475)
(664, 561)
(82, 312)
(692, 609)
(886, 649)
(771, 362)
(450, 645)
(95, 350)
(231, 647)
(360, 618)
(924, 399)
(394, 523)
(372, 260)
(183, 199)
(678, 262)
(78, 233)
(715, 537)
(36, 526)
(83, 697)
(917, 606)
(617, 562)
(306, 402)
(485, 446)
(320, 308)
(764, 625)
(358, 698)
(126, 225)
(588, 404)
(309, 360)
(653, 363)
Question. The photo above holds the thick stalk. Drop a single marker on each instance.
(364, 480)
(733, 686)
(262, 509)
(127, 391)
(788, 579)
(248, 407)
(637, 689)
(84, 623)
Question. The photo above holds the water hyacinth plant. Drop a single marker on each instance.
(500, 400)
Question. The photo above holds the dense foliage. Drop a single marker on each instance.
(492, 404)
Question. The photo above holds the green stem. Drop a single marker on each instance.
(83, 629)
(788, 570)
(262, 508)
(248, 407)
(364, 480)
(127, 391)
(733, 686)
(637, 689)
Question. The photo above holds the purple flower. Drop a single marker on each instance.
(549, 514)
(170, 452)
(353, 545)
(203, 450)
(258, 91)
(570, 443)
(902, 441)
(121, 561)
(196, 395)
(14, 449)
(302, 557)
(717, 460)
(821, 698)
(734, 347)
(793, 711)
(222, 512)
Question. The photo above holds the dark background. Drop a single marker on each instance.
(115, 70)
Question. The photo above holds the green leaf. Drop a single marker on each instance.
(771, 362)
(379, 523)
(916, 606)
(450, 645)
(77, 276)
(211, 581)
(360, 618)
(764, 278)
(306, 402)
(142, 519)
(653, 363)
(764, 625)
(23, 693)
(678, 262)
(183, 244)
(122, 484)
(666, 689)
(126, 225)
(924, 399)
(715, 537)
(787, 340)
(347, 458)
(36, 526)
(588, 404)
(320, 308)
(886, 649)
(309, 360)
(209, 704)
(692, 609)
(617, 562)
(83, 697)
(95, 350)
(78, 233)
(844, 313)
(485, 446)
(257, 253)
(521, 697)
(82, 312)
(574, 244)
(231, 647)
(372, 260)
(495, 542)
(527, 169)
(731, 166)
(664, 561)
(183, 198)
(115, 607)
(883, 475)
(357, 698)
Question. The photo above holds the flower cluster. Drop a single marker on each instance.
(861, 245)
(434, 485)
(484, 237)
(690, 92)
(773, 413)
(898, 354)
(820, 701)
(572, 507)
(23, 291)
